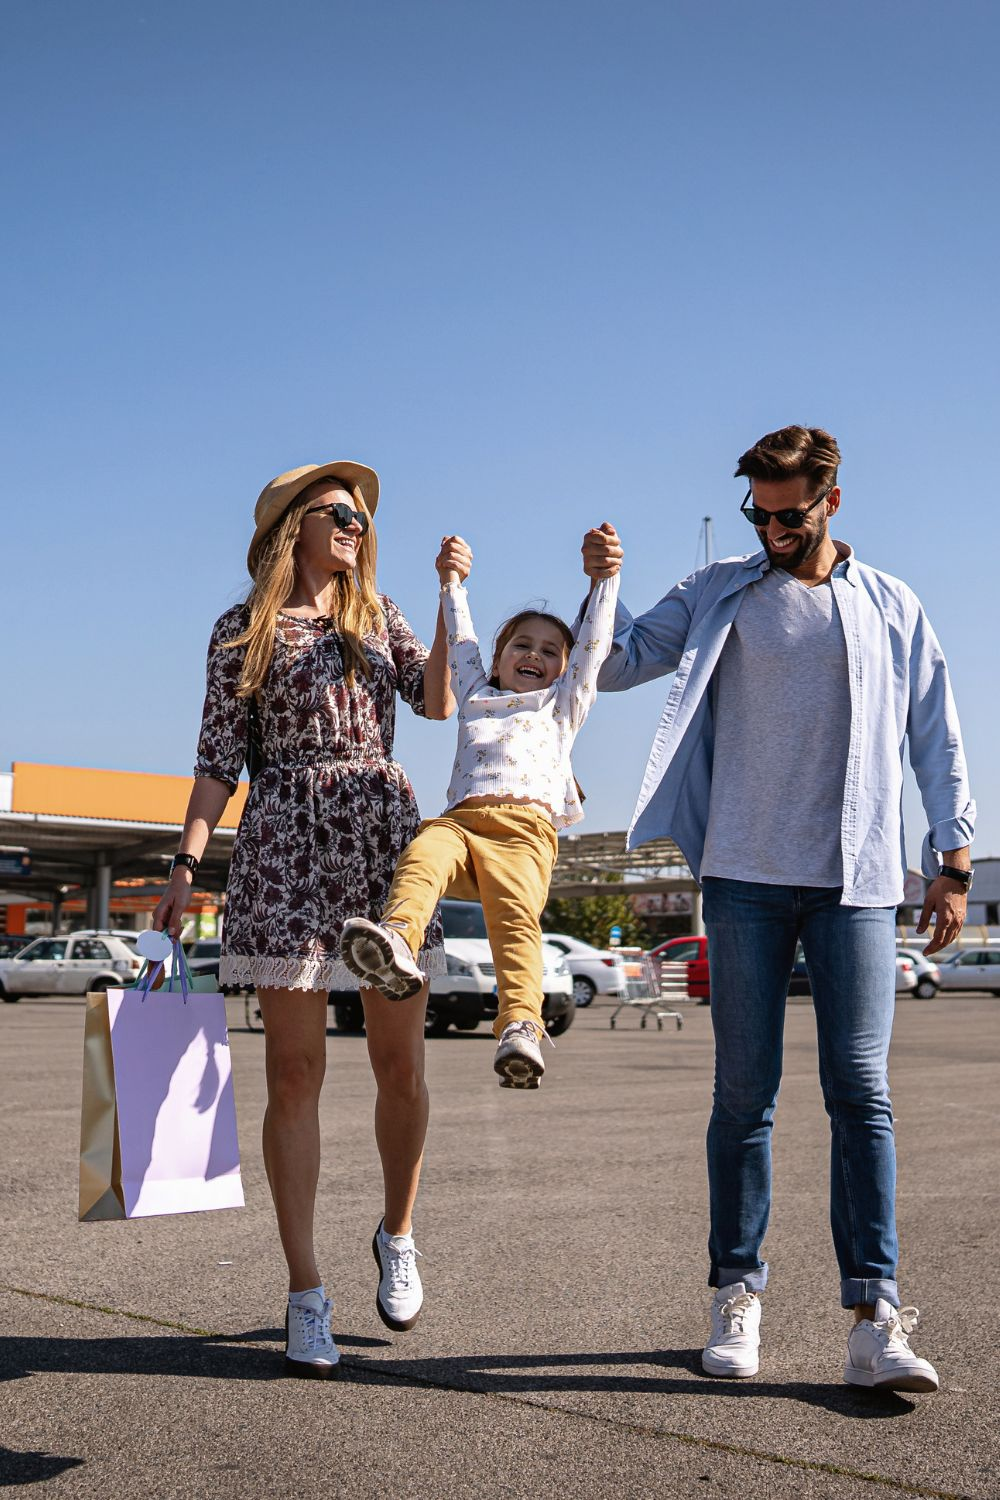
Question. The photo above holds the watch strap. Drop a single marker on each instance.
(964, 877)
(187, 860)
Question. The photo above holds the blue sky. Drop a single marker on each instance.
(540, 265)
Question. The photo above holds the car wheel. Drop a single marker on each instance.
(8, 997)
(102, 983)
(559, 1024)
(584, 991)
(466, 1025)
(251, 1009)
(349, 1018)
(435, 1022)
(926, 989)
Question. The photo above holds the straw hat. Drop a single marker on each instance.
(276, 497)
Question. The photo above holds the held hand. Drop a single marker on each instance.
(602, 552)
(169, 913)
(454, 561)
(946, 903)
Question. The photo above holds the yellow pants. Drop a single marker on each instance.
(502, 856)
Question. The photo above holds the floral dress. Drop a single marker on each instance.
(329, 815)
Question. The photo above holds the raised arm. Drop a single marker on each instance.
(642, 648)
(455, 560)
(577, 686)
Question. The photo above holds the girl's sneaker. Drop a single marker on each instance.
(379, 957)
(879, 1353)
(310, 1351)
(518, 1057)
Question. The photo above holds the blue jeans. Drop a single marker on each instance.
(851, 957)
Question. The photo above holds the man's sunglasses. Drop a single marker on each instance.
(792, 519)
(341, 514)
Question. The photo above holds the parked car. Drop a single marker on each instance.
(693, 953)
(69, 965)
(203, 956)
(928, 975)
(594, 971)
(466, 994)
(13, 942)
(971, 969)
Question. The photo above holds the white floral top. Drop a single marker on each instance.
(516, 746)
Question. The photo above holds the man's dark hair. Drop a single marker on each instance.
(793, 452)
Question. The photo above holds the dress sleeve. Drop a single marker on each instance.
(409, 657)
(222, 743)
(463, 647)
(577, 687)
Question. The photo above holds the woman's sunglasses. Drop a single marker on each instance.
(341, 514)
(792, 519)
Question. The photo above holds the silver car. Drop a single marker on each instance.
(972, 969)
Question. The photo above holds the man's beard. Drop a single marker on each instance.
(794, 557)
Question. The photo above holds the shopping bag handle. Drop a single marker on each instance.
(150, 973)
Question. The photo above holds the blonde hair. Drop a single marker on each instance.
(356, 610)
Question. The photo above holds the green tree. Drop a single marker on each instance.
(591, 918)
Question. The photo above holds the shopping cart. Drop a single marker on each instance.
(644, 993)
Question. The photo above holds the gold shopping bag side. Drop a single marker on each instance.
(100, 1153)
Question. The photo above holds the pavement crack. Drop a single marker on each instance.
(383, 1370)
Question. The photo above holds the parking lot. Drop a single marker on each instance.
(563, 1238)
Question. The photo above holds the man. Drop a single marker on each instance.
(799, 672)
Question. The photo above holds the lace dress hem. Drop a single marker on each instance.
(307, 973)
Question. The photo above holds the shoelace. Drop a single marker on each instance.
(733, 1312)
(402, 1264)
(900, 1324)
(314, 1326)
(530, 1030)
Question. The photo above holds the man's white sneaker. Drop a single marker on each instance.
(733, 1348)
(379, 957)
(400, 1294)
(518, 1057)
(879, 1353)
(310, 1350)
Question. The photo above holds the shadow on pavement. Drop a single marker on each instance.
(516, 1374)
(30, 1468)
(236, 1357)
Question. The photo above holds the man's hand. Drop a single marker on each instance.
(454, 561)
(946, 903)
(602, 552)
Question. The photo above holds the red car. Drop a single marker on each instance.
(691, 951)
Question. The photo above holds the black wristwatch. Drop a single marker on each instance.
(188, 860)
(964, 877)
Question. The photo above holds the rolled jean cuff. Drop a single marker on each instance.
(755, 1279)
(864, 1291)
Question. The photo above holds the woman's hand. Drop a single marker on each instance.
(454, 561)
(602, 552)
(169, 913)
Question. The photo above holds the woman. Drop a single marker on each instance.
(307, 669)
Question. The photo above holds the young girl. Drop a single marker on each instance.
(511, 788)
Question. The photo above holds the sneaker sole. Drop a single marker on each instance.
(745, 1372)
(398, 1325)
(370, 958)
(517, 1072)
(899, 1382)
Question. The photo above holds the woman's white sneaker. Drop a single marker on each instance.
(400, 1294)
(310, 1351)
(518, 1057)
(379, 957)
(879, 1353)
(733, 1348)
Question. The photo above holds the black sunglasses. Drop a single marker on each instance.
(792, 519)
(341, 513)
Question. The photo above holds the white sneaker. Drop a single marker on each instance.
(879, 1354)
(379, 956)
(518, 1057)
(400, 1294)
(310, 1350)
(733, 1348)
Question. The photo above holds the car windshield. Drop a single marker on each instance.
(463, 919)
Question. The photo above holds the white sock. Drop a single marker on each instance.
(297, 1299)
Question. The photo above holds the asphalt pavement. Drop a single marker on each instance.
(563, 1237)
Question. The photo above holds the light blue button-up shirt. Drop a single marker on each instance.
(899, 691)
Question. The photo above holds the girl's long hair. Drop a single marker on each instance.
(356, 610)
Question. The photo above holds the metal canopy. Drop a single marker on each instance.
(587, 859)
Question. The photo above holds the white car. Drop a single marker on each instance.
(69, 965)
(594, 971)
(928, 975)
(971, 969)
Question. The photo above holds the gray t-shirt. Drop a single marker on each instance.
(782, 708)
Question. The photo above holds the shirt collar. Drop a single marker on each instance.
(846, 566)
